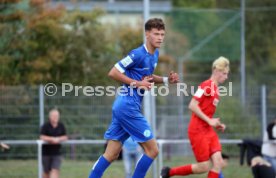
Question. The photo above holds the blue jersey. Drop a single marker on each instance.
(127, 119)
(138, 64)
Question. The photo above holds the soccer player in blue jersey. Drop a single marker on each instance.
(135, 71)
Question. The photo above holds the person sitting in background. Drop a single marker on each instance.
(261, 168)
(131, 154)
(268, 146)
(54, 133)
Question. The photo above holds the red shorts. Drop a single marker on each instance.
(204, 145)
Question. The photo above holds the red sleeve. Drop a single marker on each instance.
(204, 90)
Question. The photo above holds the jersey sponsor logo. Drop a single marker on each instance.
(215, 102)
(199, 93)
(126, 61)
(147, 133)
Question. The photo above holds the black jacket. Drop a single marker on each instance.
(253, 148)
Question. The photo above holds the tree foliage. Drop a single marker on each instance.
(53, 45)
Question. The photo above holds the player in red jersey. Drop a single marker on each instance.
(203, 138)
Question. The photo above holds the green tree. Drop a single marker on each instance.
(11, 17)
(56, 46)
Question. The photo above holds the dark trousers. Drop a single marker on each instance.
(262, 171)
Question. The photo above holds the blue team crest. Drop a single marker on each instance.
(147, 133)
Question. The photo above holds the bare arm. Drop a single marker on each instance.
(193, 106)
(4, 146)
(63, 138)
(115, 74)
(54, 140)
(172, 78)
(46, 138)
(157, 79)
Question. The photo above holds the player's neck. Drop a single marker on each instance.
(213, 78)
(150, 49)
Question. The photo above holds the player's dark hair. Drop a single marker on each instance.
(154, 23)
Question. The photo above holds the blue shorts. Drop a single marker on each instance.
(127, 120)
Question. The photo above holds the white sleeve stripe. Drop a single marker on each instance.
(119, 68)
(199, 93)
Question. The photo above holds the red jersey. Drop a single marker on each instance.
(208, 97)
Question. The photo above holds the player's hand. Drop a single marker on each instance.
(221, 127)
(173, 77)
(214, 122)
(146, 83)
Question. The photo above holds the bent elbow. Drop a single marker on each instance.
(110, 74)
(190, 107)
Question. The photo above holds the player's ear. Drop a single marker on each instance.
(147, 33)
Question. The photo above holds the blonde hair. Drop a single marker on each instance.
(221, 64)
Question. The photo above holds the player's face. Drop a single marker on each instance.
(155, 37)
(222, 76)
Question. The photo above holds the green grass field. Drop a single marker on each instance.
(80, 169)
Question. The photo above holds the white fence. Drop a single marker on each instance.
(23, 110)
(156, 169)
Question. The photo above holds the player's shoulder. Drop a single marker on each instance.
(137, 52)
(205, 83)
(156, 52)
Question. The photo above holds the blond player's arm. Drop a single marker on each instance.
(193, 106)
